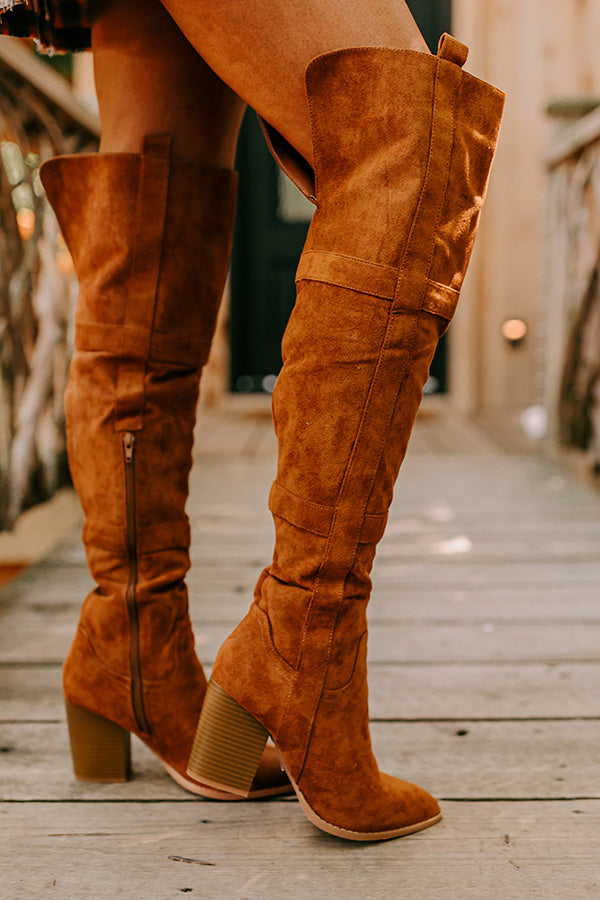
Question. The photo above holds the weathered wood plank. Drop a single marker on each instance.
(400, 578)
(468, 484)
(242, 541)
(415, 540)
(446, 563)
(419, 692)
(466, 760)
(465, 573)
(25, 639)
(526, 591)
(523, 485)
(230, 437)
(102, 851)
(447, 434)
(484, 692)
(243, 426)
(224, 595)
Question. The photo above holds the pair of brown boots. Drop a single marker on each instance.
(403, 144)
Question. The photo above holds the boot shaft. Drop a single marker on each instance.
(403, 146)
(402, 160)
(150, 238)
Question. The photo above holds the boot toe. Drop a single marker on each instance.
(415, 805)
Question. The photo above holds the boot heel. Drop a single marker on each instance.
(229, 744)
(101, 750)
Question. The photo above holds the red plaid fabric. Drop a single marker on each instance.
(56, 24)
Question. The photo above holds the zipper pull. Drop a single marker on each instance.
(128, 445)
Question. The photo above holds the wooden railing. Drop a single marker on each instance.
(572, 292)
(39, 118)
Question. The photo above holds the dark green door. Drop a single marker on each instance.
(272, 221)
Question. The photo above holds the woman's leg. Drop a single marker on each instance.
(261, 50)
(150, 80)
(148, 222)
(401, 145)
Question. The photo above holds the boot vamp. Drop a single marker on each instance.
(340, 779)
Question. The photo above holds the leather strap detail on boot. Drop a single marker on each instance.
(452, 50)
(317, 519)
(347, 271)
(371, 278)
(139, 316)
(112, 338)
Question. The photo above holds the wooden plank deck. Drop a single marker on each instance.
(484, 683)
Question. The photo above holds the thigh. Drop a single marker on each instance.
(261, 47)
(151, 80)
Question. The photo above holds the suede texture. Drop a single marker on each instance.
(150, 239)
(403, 146)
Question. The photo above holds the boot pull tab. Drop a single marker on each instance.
(451, 49)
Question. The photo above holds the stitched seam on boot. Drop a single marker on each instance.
(364, 262)
(289, 498)
(264, 625)
(446, 176)
(342, 687)
(348, 287)
(299, 525)
(302, 499)
(446, 287)
(431, 306)
(362, 276)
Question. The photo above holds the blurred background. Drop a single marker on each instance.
(522, 357)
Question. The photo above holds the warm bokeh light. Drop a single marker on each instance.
(514, 330)
(64, 261)
(26, 223)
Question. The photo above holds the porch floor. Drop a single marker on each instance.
(484, 684)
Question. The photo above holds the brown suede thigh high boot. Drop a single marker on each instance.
(150, 239)
(403, 144)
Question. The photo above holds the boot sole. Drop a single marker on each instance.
(210, 792)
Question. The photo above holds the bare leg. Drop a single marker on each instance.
(261, 49)
(150, 80)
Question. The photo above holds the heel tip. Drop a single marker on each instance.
(100, 749)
